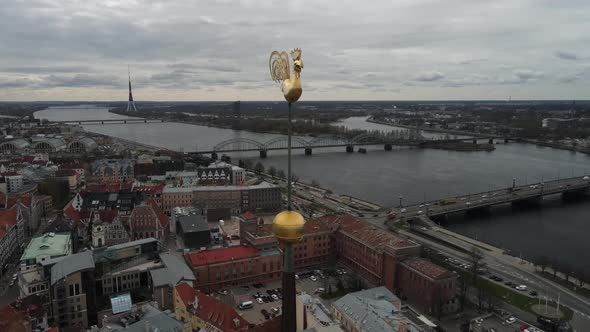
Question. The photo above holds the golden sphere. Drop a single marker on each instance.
(288, 226)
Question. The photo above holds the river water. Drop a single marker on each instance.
(556, 229)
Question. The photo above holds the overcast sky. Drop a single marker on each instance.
(219, 49)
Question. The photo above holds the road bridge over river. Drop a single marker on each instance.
(308, 144)
(530, 193)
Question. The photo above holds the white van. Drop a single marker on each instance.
(246, 305)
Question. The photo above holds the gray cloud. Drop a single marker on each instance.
(566, 55)
(58, 48)
(429, 76)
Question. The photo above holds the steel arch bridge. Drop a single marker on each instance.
(281, 143)
(238, 144)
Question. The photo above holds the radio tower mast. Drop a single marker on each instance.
(130, 103)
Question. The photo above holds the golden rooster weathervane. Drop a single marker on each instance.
(279, 71)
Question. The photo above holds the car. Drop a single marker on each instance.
(521, 287)
(424, 228)
(296, 277)
(420, 212)
(265, 313)
(276, 310)
(510, 320)
(467, 203)
(14, 276)
(421, 205)
(402, 210)
(484, 196)
(509, 283)
(265, 299)
(259, 300)
(533, 293)
(313, 278)
(320, 290)
(376, 215)
(11, 283)
(586, 178)
(222, 292)
(274, 297)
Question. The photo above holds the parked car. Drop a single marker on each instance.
(313, 278)
(533, 293)
(510, 320)
(259, 300)
(265, 313)
(521, 287)
(222, 291)
(274, 297)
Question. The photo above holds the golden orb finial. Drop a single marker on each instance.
(288, 226)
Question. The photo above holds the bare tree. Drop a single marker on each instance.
(281, 173)
(477, 263)
(259, 168)
(542, 262)
(315, 183)
(272, 171)
(463, 287)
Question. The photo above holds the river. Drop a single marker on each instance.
(556, 229)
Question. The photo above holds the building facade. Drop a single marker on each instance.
(227, 267)
(112, 170)
(148, 221)
(428, 286)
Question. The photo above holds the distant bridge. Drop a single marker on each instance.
(299, 143)
(529, 193)
(109, 121)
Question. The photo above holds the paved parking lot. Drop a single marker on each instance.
(237, 295)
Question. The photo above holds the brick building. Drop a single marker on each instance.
(233, 266)
(148, 220)
(428, 285)
(205, 313)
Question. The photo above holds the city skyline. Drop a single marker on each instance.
(419, 50)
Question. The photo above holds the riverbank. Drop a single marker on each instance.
(460, 146)
(432, 130)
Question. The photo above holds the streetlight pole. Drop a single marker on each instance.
(400, 201)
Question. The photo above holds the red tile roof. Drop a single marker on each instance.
(247, 215)
(428, 268)
(25, 199)
(211, 310)
(365, 232)
(150, 190)
(221, 255)
(7, 221)
(72, 213)
(106, 216)
(163, 218)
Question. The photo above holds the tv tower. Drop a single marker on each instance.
(130, 103)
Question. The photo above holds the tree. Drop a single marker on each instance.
(542, 262)
(476, 260)
(463, 287)
(566, 269)
(272, 171)
(315, 183)
(294, 177)
(248, 164)
(259, 168)
(281, 173)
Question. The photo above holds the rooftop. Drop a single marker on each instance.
(365, 232)
(175, 271)
(71, 264)
(193, 223)
(428, 268)
(211, 310)
(261, 185)
(372, 310)
(49, 244)
(7, 221)
(206, 257)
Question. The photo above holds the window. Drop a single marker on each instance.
(77, 289)
(71, 290)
